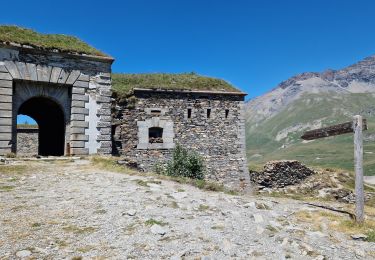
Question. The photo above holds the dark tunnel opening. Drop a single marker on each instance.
(50, 118)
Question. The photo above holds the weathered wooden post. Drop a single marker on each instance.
(357, 126)
(358, 166)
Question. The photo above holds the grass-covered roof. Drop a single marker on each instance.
(63, 43)
(123, 84)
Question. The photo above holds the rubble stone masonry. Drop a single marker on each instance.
(211, 123)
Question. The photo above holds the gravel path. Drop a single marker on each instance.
(66, 210)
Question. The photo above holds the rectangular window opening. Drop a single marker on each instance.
(189, 113)
(155, 112)
(226, 113)
(208, 112)
(155, 135)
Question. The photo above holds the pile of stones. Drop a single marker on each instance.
(279, 174)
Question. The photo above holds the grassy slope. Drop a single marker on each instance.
(336, 152)
(46, 41)
(123, 84)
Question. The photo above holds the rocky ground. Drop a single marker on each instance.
(66, 210)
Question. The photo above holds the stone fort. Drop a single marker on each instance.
(69, 94)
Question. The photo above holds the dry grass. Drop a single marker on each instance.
(337, 222)
(79, 230)
(59, 42)
(13, 169)
(123, 84)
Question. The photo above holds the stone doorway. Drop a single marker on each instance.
(50, 119)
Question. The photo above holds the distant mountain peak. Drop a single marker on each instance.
(276, 120)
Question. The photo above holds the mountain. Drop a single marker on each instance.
(276, 120)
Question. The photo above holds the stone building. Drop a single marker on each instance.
(209, 122)
(68, 94)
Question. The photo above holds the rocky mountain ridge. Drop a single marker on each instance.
(357, 78)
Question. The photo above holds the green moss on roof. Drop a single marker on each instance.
(123, 84)
(63, 43)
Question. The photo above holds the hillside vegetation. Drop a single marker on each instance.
(63, 43)
(123, 84)
(279, 136)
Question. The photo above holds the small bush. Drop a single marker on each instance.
(185, 163)
(370, 236)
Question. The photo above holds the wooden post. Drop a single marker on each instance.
(358, 165)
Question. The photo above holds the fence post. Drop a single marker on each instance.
(358, 166)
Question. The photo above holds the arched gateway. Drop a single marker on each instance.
(68, 95)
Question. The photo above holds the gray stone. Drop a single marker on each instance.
(78, 103)
(5, 91)
(77, 144)
(179, 195)
(77, 130)
(131, 212)
(79, 124)
(5, 106)
(6, 113)
(73, 76)
(84, 77)
(359, 237)
(4, 98)
(77, 117)
(21, 66)
(31, 71)
(77, 90)
(79, 137)
(5, 76)
(79, 151)
(81, 84)
(80, 97)
(43, 72)
(55, 74)
(79, 110)
(258, 218)
(64, 74)
(23, 253)
(6, 84)
(158, 230)
(12, 68)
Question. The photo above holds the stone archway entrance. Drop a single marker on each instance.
(49, 105)
(50, 118)
(68, 94)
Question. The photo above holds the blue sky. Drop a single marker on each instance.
(252, 44)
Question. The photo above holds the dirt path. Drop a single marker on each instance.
(64, 210)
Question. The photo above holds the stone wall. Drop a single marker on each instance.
(27, 141)
(210, 123)
(88, 80)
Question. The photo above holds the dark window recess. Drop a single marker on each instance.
(208, 113)
(155, 112)
(155, 135)
(189, 113)
(226, 113)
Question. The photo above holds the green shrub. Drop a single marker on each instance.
(184, 163)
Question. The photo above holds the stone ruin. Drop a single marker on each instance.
(279, 174)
